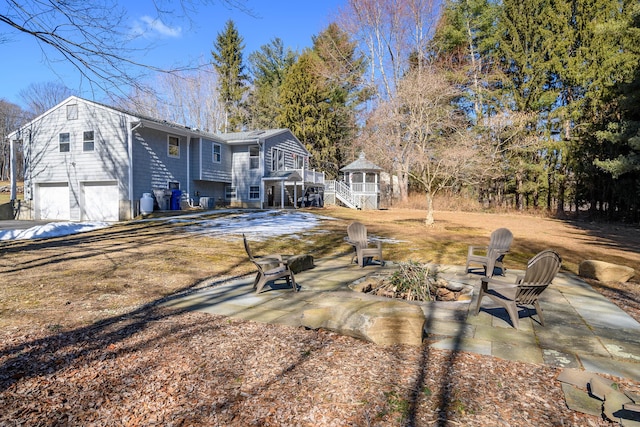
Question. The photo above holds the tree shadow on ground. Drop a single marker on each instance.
(113, 338)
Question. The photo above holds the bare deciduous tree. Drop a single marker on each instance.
(187, 98)
(39, 97)
(393, 34)
(424, 135)
(11, 116)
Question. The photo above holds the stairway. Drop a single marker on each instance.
(345, 195)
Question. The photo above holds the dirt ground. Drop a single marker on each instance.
(82, 341)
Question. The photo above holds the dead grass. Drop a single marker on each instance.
(79, 279)
(82, 343)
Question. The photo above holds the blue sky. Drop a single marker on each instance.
(175, 42)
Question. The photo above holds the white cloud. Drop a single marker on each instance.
(149, 27)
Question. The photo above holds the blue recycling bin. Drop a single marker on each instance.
(175, 200)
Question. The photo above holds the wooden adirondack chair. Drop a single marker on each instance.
(270, 268)
(491, 256)
(357, 237)
(541, 270)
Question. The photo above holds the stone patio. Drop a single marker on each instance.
(583, 329)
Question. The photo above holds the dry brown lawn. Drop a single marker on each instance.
(83, 343)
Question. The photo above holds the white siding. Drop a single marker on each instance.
(286, 143)
(107, 162)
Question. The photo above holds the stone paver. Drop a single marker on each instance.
(583, 329)
(524, 352)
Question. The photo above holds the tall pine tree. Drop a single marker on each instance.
(268, 66)
(462, 43)
(232, 83)
(340, 68)
(320, 97)
(611, 148)
(306, 111)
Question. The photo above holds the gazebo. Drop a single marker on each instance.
(360, 187)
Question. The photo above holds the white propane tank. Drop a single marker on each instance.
(146, 204)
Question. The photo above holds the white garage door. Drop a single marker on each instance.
(100, 201)
(53, 201)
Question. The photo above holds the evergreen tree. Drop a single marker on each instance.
(268, 66)
(320, 97)
(554, 86)
(462, 43)
(530, 50)
(500, 53)
(232, 84)
(306, 110)
(616, 140)
(340, 70)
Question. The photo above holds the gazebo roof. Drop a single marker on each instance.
(361, 165)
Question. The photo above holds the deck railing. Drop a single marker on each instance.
(364, 187)
(343, 193)
(311, 176)
(355, 187)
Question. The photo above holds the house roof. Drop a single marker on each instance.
(229, 138)
(255, 136)
(164, 123)
(361, 164)
(132, 116)
(249, 136)
(288, 175)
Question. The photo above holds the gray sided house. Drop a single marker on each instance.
(89, 161)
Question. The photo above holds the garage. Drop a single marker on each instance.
(53, 201)
(100, 201)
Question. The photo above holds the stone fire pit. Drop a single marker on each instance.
(372, 310)
(428, 286)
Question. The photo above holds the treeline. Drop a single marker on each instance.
(528, 104)
(569, 72)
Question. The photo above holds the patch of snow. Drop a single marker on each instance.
(257, 225)
(53, 229)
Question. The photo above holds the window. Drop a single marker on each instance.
(277, 160)
(173, 149)
(229, 192)
(65, 145)
(254, 192)
(254, 157)
(298, 160)
(72, 111)
(217, 156)
(87, 140)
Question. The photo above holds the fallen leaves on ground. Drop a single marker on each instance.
(158, 367)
